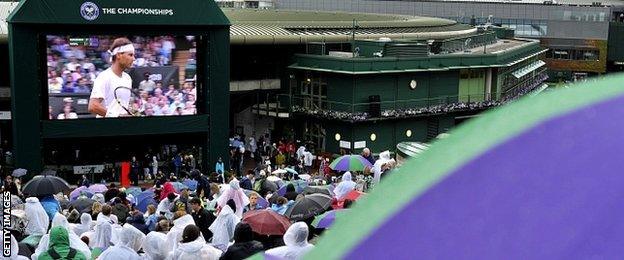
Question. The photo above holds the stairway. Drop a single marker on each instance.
(180, 59)
(433, 128)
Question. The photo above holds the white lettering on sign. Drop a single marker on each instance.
(143, 11)
(84, 169)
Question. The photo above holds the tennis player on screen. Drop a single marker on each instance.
(107, 100)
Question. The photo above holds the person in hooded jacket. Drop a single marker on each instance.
(193, 246)
(181, 220)
(296, 240)
(345, 186)
(86, 224)
(60, 247)
(377, 170)
(154, 246)
(130, 241)
(223, 227)
(137, 220)
(36, 216)
(74, 241)
(244, 246)
(102, 238)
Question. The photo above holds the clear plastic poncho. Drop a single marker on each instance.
(223, 227)
(197, 249)
(175, 233)
(345, 186)
(38, 220)
(130, 241)
(384, 157)
(236, 193)
(154, 246)
(86, 224)
(296, 240)
(74, 240)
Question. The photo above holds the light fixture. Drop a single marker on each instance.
(408, 133)
(337, 137)
(413, 84)
(373, 137)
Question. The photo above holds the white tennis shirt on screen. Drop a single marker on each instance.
(104, 87)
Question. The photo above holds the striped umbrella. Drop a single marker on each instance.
(350, 163)
(538, 179)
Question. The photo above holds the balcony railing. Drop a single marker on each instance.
(283, 105)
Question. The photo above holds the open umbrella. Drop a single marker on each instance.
(305, 177)
(326, 219)
(45, 185)
(300, 185)
(266, 222)
(78, 191)
(82, 205)
(269, 185)
(191, 184)
(291, 170)
(178, 186)
(262, 202)
(353, 195)
(98, 188)
(279, 171)
(318, 189)
(309, 206)
(134, 191)
(19, 172)
(273, 178)
(350, 163)
(540, 178)
(144, 199)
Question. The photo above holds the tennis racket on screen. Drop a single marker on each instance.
(132, 100)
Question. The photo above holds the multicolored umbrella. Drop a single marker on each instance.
(537, 179)
(98, 188)
(326, 219)
(350, 163)
(266, 222)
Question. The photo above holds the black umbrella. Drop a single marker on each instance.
(45, 185)
(309, 206)
(316, 189)
(269, 185)
(83, 204)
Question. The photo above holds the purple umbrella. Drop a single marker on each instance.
(350, 163)
(538, 179)
(78, 191)
(98, 188)
(326, 219)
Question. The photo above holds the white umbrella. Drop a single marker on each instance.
(19, 172)
(273, 178)
(279, 171)
(305, 177)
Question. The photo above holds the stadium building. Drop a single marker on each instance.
(584, 38)
(349, 80)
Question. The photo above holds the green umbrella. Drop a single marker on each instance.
(350, 163)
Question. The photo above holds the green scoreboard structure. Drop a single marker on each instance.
(32, 24)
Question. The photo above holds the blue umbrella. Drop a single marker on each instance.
(134, 191)
(291, 170)
(299, 187)
(191, 184)
(19, 172)
(144, 199)
(178, 186)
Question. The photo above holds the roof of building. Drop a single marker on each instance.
(257, 26)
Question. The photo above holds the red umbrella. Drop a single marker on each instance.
(266, 222)
(353, 195)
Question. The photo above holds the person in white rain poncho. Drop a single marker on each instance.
(103, 235)
(384, 157)
(14, 249)
(175, 234)
(223, 227)
(154, 246)
(130, 241)
(345, 186)
(296, 240)
(74, 240)
(38, 220)
(193, 247)
(235, 193)
(86, 225)
(99, 197)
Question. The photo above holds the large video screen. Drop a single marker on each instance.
(112, 76)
